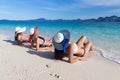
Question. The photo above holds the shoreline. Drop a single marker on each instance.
(21, 63)
(98, 49)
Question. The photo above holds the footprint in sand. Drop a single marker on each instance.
(48, 66)
(56, 76)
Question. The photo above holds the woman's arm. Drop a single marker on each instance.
(38, 48)
(37, 44)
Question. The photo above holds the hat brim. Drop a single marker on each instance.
(32, 31)
(59, 46)
(21, 30)
(17, 29)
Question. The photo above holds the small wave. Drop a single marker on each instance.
(109, 55)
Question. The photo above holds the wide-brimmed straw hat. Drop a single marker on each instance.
(61, 39)
(20, 30)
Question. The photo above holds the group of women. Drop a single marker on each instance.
(59, 43)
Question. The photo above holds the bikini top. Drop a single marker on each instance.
(35, 35)
(42, 39)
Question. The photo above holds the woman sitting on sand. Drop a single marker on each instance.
(33, 40)
(74, 51)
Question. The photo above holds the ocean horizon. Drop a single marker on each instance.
(104, 35)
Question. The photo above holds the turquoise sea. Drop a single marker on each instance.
(104, 35)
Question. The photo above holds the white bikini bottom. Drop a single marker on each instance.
(75, 47)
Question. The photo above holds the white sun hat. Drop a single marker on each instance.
(59, 37)
(20, 30)
(32, 31)
(17, 28)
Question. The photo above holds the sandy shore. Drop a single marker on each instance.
(21, 63)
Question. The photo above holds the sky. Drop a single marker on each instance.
(58, 9)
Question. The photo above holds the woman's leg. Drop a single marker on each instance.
(38, 48)
(73, 57)
(48, 44)
(37, 44)
(88, 47)
(81, 41)
(70, 52)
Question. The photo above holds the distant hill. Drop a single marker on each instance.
(109, 19)
(100, 19)
(105, 19)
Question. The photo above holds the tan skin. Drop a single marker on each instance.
(47, 43)
(20, 38)
(37, 42)
(23, 37)
(81, 43)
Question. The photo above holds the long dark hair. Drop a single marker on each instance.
(59, 54)
(16, 38)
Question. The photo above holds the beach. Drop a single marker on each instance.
(97, 20)
(23, 63)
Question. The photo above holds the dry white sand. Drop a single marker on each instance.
(21, 63)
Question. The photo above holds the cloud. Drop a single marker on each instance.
(53, 9)
(4, 10)
(114, 11)
(5, 13)
(78, 4)
(101, 2)
(62, 6)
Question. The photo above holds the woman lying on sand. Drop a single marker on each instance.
(40, 43)
(74, 51)
(34, 40)
(19, 36)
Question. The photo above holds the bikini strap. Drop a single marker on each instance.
(83, 53)
(42, 39)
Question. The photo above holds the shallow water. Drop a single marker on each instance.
(104, 35)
